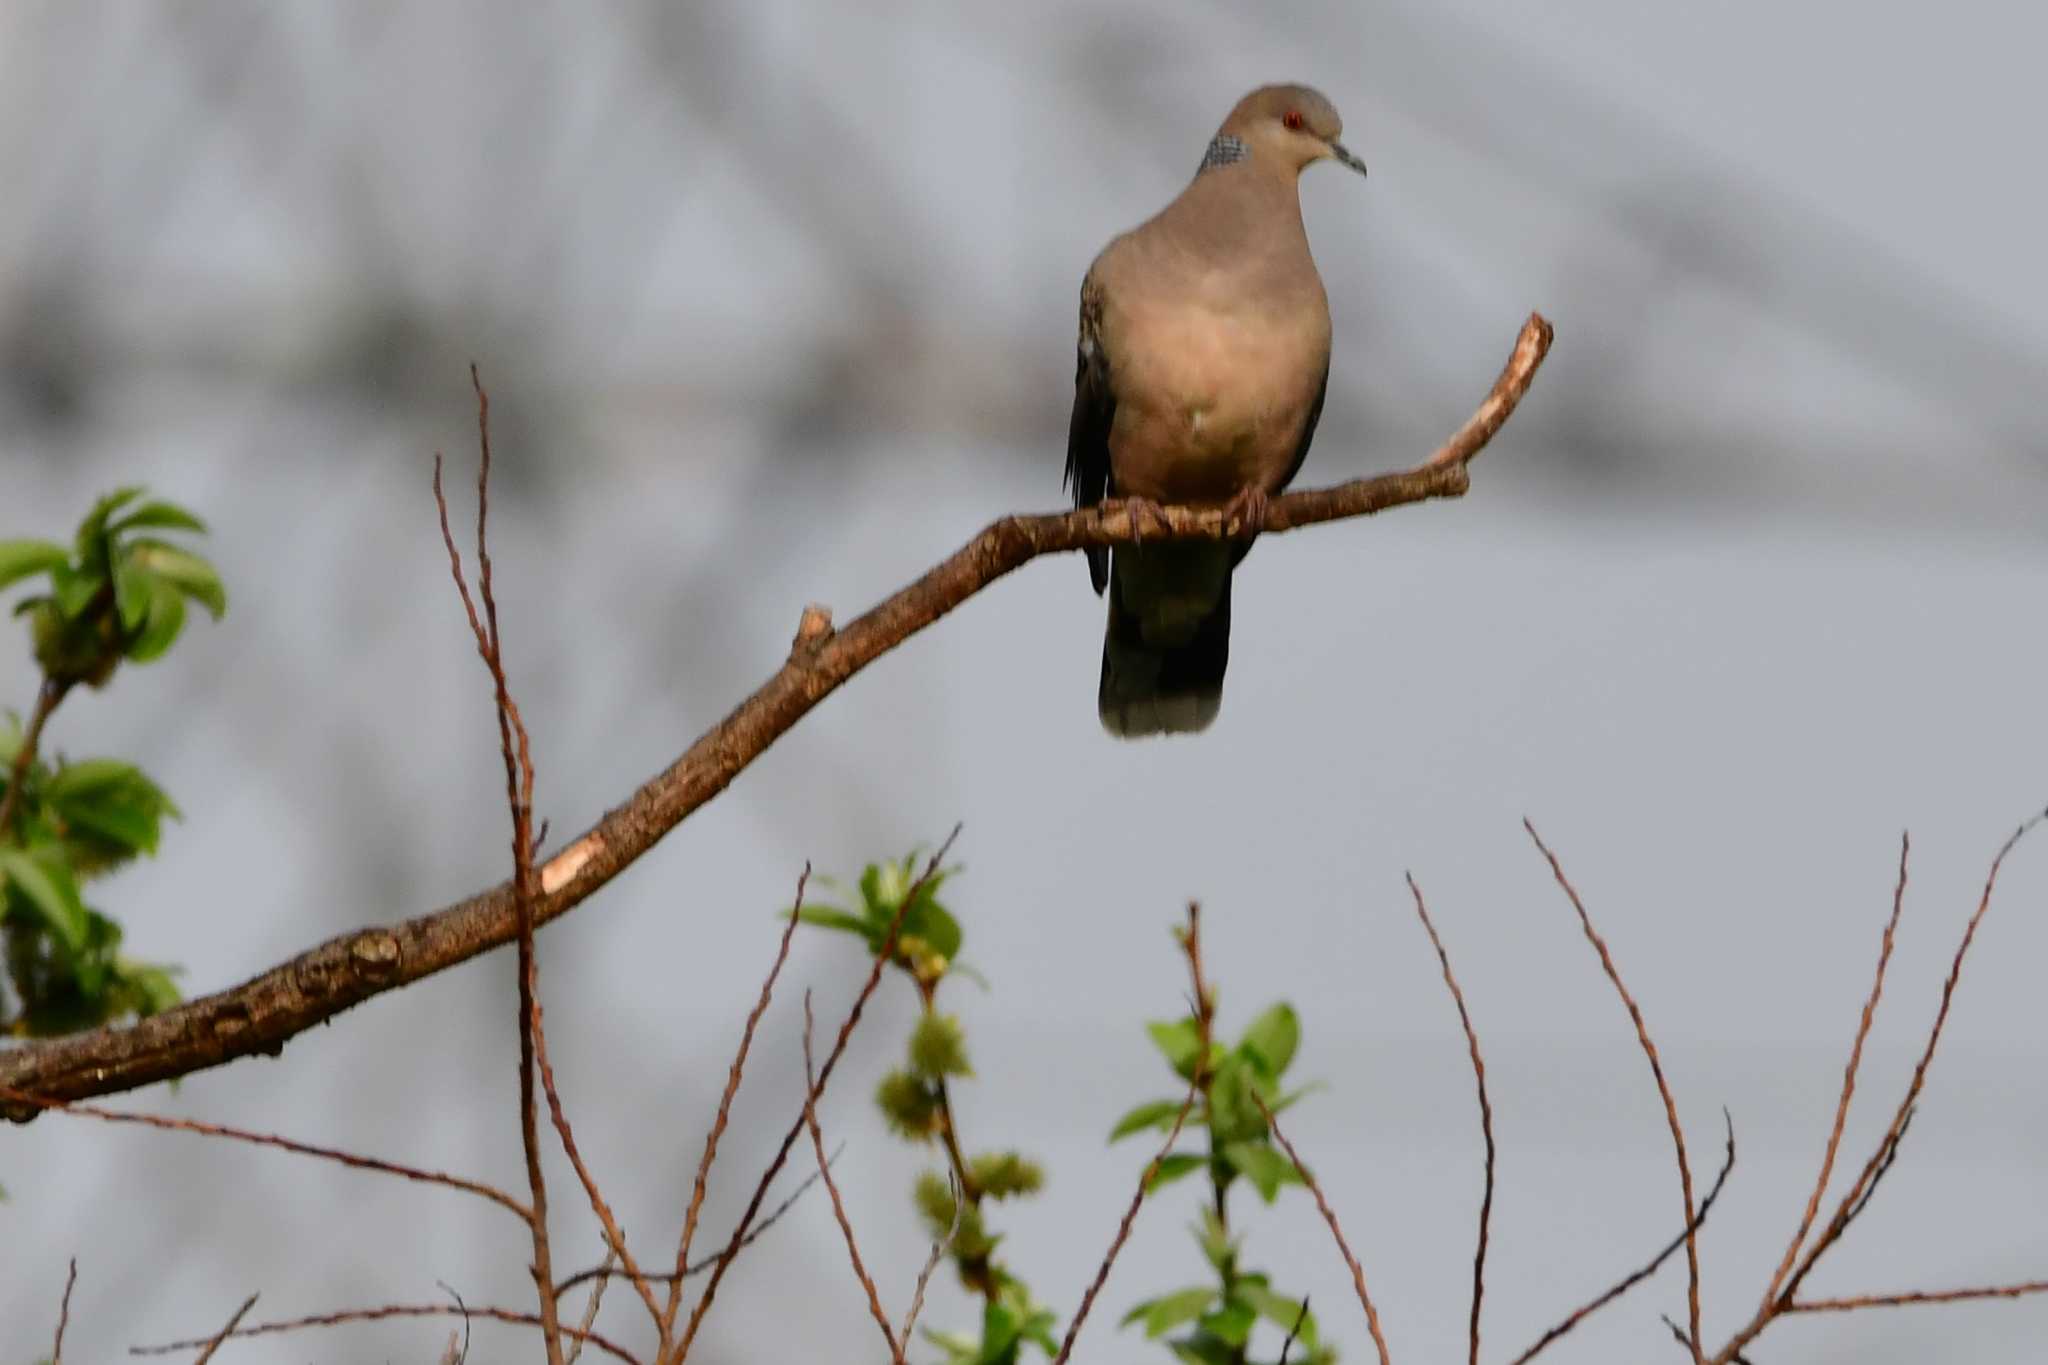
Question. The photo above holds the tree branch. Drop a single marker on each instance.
(263, 1013)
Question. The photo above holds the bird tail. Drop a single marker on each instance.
(1167, 642)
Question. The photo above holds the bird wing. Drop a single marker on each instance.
(1088, 429)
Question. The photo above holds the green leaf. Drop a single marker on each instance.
(150, 985)
(108, 812)
(132, 586)
(194, 576)
(1202, 1350)
(1218, 1246)
(932, 922)
(1232, 1323)
(1262, 1164)
(1168, 1311)
(74, 589)
(44, 884)
(1280, 1310)
(90, 776)
(1273, 1037)
(1233, 1117)
(1152, 1114)
(826, 917)
(162, 514)
(166, 618)
(1000, 1328)
(94, 527)
(1173, 1166)
(1179, 1041)
(21, 559)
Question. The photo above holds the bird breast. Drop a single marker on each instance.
(1211, 398)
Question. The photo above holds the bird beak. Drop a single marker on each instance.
(1344, 155)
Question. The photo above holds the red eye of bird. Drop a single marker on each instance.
(1292, 118)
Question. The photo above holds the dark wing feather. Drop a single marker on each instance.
(1088, 429)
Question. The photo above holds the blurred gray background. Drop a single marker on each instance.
(775, 301)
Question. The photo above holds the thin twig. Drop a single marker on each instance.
(386, 1313)
(1848, 1305)
(1485, 1110)
(1372, 1316)
(1191, 945)
(224, 1333)
(463, 1308)
(283, 1144)
(718, 1124)
(1857, 1197)
(1123, 1227)
(940, 1246)
(277, 1005)
(1635, 1013)
(519, 775)
(63, 1311)
(1827, 1162)
(707, 1262)
(599, 1281)
(1294, 1331)
(1678, 1335)
(1890, 1150)
(614, 1235)
(860, 1271)
(883, 955)
(1630, 1281)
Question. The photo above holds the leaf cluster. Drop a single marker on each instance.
(116, 593)
(1219, 1317)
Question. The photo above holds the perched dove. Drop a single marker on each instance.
(1204, 355)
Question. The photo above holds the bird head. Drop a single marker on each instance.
(1290, 125)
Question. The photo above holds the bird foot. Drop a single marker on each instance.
(1147, 517)
(1244, 516)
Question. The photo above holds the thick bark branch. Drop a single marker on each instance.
(263, 1013)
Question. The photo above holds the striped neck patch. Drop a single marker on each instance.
(1223, 150)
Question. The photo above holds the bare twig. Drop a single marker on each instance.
(1191, 944)
(815, 1092)
(386, 1313)
(2002, 1291)
(1630, 1281)
(260, 1015)
(860, 1271)
(1294, 1331)
(1857, 1197)
(1123, 1227)
(219, 1130)
(1678, 1335)
(63, 1307)
(1827, 1162)
(704, 1263)
(1890, 1153)
(940, 1246)
(525, 883)
(599, 1281)
(718, 1124)
(463, 1308)
(1485, 1110)
(1372, 1316)
(1635, 1013)
(224, 1333)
